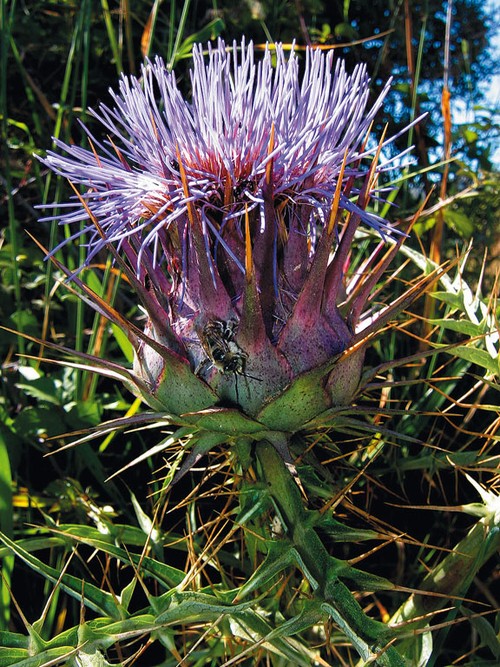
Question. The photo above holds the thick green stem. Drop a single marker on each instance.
(370, 637)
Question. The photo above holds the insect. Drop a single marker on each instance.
(243, 185)
(221, 348)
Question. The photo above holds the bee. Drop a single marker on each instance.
(221, 348)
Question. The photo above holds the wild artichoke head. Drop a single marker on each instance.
(233, 214)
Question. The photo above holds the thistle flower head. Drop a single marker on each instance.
(233, 213)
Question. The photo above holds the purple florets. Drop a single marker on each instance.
(164, 154)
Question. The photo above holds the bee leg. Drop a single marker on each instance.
(236, 388)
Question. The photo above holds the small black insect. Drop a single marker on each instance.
(246, 184)
(223, 351)
(221, 348)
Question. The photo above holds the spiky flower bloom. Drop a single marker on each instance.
(233, 215)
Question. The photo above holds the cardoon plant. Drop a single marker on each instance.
(233, 216)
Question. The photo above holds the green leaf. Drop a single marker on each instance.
(459, 222)
(43, 389)
(485, 630)
(345, 31)
(82, 414)
(454, 300)
(187, 606)
(310, 615)
(123, 343)
(470, 136)
(127, 593)
(11, 656)
(11, 640)
(476, 356)
(47, 658)
(25, 321)
(105, 542)
(465, 327)
(37, 422)
(6, 526)
(144, 520)
(91, 280)
(205, 34)
(95, 598)
(342, 533)
(280, 556)
(425, 225)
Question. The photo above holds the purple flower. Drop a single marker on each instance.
(234, 214)
(222, 138)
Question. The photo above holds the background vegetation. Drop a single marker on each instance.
(58, 60)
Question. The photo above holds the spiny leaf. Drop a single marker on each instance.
(165, 574)
(47, 658)
(95, 598)
(465, 327)
(476, 356)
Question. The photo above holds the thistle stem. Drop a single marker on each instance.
(322, 570)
